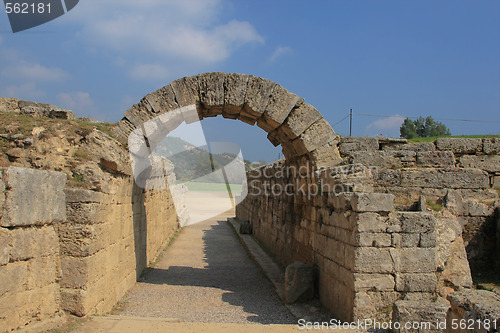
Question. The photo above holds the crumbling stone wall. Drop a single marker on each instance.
(367, 225)
(32, 202)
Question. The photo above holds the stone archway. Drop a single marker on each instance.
(297, 126)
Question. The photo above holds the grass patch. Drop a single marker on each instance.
(213, 187)
(434, 205)
(81, 154)
(433, 138)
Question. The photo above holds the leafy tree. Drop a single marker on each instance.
(423, 127)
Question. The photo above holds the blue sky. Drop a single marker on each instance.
(396, 58)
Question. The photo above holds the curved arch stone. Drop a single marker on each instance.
(298, 127)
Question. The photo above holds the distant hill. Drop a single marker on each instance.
(192, 163)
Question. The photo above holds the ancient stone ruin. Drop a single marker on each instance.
(392, 230)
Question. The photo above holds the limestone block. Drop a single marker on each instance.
(414, 260)
(473, 304)
(489, 163)
(373, 260)
(235, 90)
(435, 159)
(139, 113)
(326, 156)
(416, 282)
(460, 145)
(300, 119)
(373, 239)
(372, 202)
(415, 222)
(384, 159)
(42, 272)
(412, 146)
(186, 90)
(447, 179)
(491, 146)
(349, 145)
(5, 246)
(405, 240)
(123, 128)
(299, 283)
(108, 152)
(280, 104)
(14, 277)
(30, 243)
(34, 197)
(82, 195)
(212, 92)
(433, 314)
(317, 135)
(162, 100)
(257, 97)
(369, 222)
(373, 282)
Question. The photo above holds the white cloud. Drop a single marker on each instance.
(78, 101)
(166, 30)
(149, 72)
(27, 91)
(389, 123)
(35, 72)
(279, 52)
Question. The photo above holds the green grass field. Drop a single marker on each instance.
(433, 138)
(216, 187)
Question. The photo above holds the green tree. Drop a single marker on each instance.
(423, 127)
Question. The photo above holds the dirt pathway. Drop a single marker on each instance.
(206, 276)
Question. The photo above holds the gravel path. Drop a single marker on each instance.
(206, 276)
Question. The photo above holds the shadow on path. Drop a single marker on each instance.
(227, 286)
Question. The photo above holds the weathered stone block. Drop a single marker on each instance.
(299, 283)
(186, 90)
(326, 156)
(350, 144)
(420, 316)
(414, 260)
(384, 159)
(372, 202)
(405, 240)
(235, 90)
(211, 87)
(300, 119)
(34, 197)
(162, 100)
(416, 282)
(449, 178)
(489, 163)
(435, 159)
(415, 222)
(82, 195)
(280, 104)
(412, 146)
(5, 246)
(373, 282)
(257, 97)
(30, 243)
(369, 222)
(317, 135)
(373, 260)
(373, 239)
(460, 145)
(491, 146)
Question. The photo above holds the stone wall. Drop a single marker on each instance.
(32, 202)
(385, 225)
(108, 240)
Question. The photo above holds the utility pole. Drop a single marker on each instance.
(350, 123)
